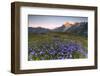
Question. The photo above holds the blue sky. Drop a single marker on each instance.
(52, 22)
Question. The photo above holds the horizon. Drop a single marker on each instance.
(52, 22)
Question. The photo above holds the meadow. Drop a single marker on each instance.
(56, 45)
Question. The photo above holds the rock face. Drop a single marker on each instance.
(76, 28)
(64, 27)
(80, 29)
(70, 27)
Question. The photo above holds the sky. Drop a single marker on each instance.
(52, 22)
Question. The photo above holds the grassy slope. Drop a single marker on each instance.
(38, 39)
(48, 37)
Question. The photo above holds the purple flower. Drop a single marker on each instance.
(42, 52)
(52, 52)
(57, 49)
(33, 52)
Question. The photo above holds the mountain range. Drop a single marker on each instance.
(80, 28)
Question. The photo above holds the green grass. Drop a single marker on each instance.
(39, 38)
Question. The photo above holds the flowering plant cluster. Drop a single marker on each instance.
(57, 49)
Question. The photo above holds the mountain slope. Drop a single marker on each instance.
(81, 29)
(76, 28)
(37, 30)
